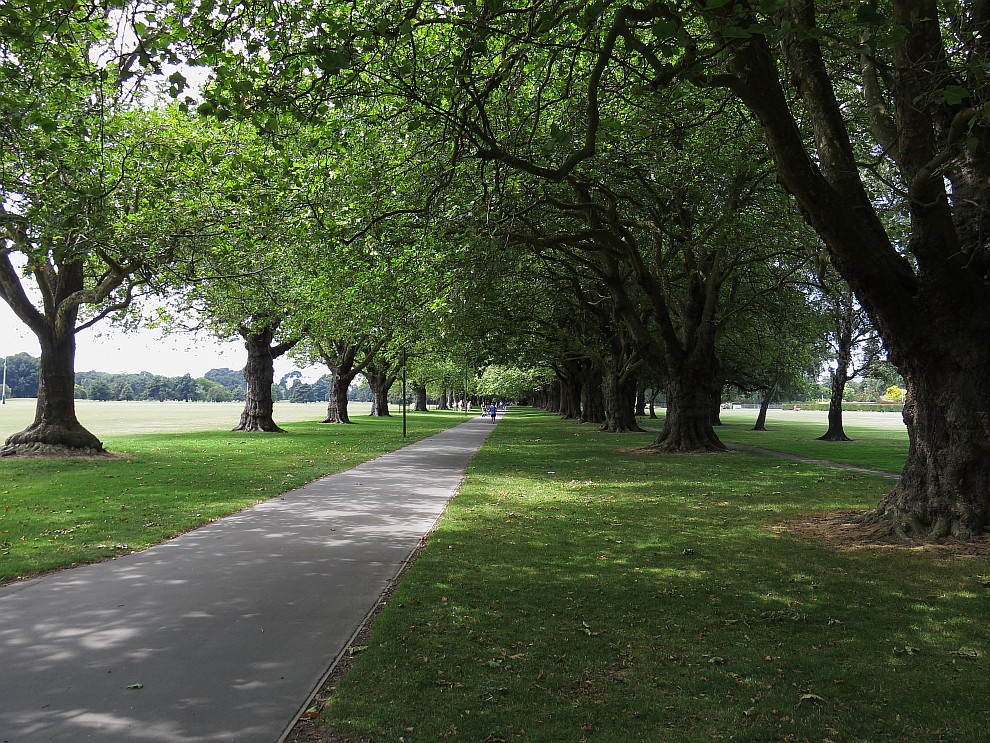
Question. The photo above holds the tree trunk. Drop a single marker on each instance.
(619, 400)
(640, 401)
(55, 424)
(945, 485)
(420, 391)
(552, 401)
(653, 405)
(592, 399)
(761, 417)
(337, 398)
(380, 383)
(835, 431)
(570, 391)
(688, 424)
(442, 403)
(259, 374)
(716, 408)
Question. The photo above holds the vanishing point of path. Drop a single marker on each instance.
(221, 634)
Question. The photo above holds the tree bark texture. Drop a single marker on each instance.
(688, 424)
(337, 399)
(381, 377)
(619, 400)
(592, 397)
(421, 400)
(835, 430)
(341, 357)
(259, 374)
(55, 424)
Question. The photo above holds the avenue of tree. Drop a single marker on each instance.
(604, 197)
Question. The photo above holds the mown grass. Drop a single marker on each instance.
(880, 440)
(144, 416)
(579, 590)
(59, 512)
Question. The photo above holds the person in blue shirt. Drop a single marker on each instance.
(492, 411)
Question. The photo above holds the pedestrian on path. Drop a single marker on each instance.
(492, 411)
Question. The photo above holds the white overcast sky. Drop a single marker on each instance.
(104, 348)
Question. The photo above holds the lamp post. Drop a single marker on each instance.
(3, 388)
(403, 393)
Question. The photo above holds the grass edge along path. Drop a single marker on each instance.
(60, 512)
(580, 590)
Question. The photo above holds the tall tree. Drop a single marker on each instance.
(853, 345)
(92, 212)
(917, 103)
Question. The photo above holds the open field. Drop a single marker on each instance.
(579, 589)
(110, 418)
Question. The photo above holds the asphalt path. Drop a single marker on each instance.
(224, 633)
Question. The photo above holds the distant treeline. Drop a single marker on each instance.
(217, 385)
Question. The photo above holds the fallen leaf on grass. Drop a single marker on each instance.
(310, 714)
(966, 653)
(907, 650)
(811, 698)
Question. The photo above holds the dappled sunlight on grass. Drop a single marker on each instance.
(580, 590)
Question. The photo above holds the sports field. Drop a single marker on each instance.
(115, 418)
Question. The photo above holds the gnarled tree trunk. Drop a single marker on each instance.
(259, 374)
(420, 392)
(381, 376)
(688, 424)
(337, 398)
(592, 397)
(944, 488)
(619, 403)
(55, 425)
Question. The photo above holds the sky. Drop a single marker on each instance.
(104, 348)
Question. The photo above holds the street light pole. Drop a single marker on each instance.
(3, 389)
(403, 393)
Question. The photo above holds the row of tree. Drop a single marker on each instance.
(601, 197)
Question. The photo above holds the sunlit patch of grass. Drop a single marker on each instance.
(578, 590)
(59, 512)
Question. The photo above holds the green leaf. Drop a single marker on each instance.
(735, 32)
(954, 94)
(592, 13)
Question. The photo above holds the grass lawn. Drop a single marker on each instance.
(143, 416)
(59, 512)
(880, 440)
(580, 590)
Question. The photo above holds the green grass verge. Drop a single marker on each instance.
(60, 512)
(578, 590)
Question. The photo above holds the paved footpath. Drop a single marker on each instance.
(221, 634)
